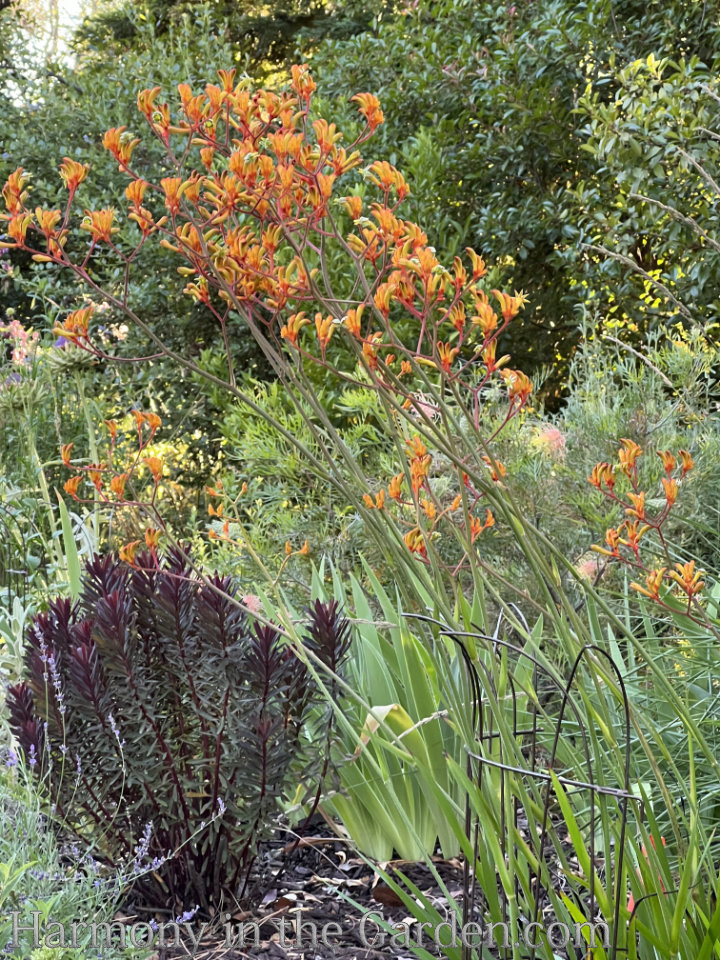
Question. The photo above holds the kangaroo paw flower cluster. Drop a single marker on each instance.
(260, 202)
(620, 483)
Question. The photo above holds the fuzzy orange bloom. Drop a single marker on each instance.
(416, 447)
(47, 220)
(128, 552)
(65, 453)
(71, 486)
(17, 231)
(76, 324)
(199, 291)
(155, 466)
(415, 542)
(654, 582)
(519, 385)
(419, 469)
(485, 318)
(509, 305)
(612, 539)
(327, 134)
(429, 508)
(302, 83)
(353, 321)
(633, 535)
(185, 91)
(146, 101)
(687, 461)
(478, 264)
(638, 505)
(668, 461)
(476, 527)
(497, 469)
(227, 78)
(191, 189)
(13, 192)
(172, 189)
(96, 478)
(671, 490)
(688, 578)
(100, 224)
(395, 486)
(488, 355)
(383, 298)
(385, 175)
(369, 350)
(447, 355)
(144, 219)
(460, 273)
(602, 473)
(120, 144)
(117, 485)
(420, 461)
(292, 328)
(73, 173)
(456, 316)
(377, 504)
(135, 191)
(271, 237)
(325, 183)
(354, 206)
(628, 455)
(139, 417)
(152, 539)
(153, 421)
(369, 106)
(325, 329)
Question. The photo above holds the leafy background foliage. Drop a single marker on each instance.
(482, 107)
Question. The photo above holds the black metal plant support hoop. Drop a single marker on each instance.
(480, 678)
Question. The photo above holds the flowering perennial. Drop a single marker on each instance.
(625, 542)
(251, 206)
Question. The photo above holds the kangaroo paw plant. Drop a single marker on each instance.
(269, 246)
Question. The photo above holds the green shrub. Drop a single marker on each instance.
(40, 872)
(482, 108)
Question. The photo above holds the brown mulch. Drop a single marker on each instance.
(311, 881)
